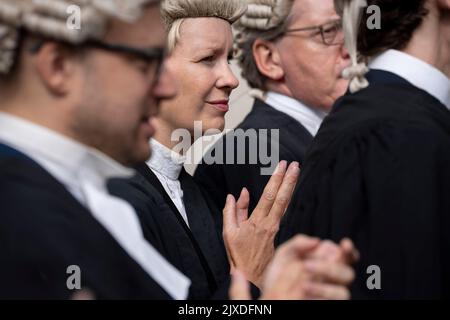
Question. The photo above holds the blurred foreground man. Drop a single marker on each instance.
(75, 105)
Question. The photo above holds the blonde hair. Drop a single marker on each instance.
(48, 18)
(351, 12)
(264, 19)
(174, 12)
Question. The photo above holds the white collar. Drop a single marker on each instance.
(84, 171)
(165, 161)
(310, 118)
(419, 73)
(47, 144)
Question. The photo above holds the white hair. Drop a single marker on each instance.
(48, 18)
(265, 14)
(174, 12)
(351, 12)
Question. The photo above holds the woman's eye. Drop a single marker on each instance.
(208, 59)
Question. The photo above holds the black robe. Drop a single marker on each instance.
(219, 180)
(198, 251)
(44, 230)
(379, 172)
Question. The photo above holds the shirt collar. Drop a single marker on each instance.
(42, 143)
(310, 118)
(165, 161)
(419, 73)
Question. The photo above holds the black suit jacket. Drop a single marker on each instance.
(45, 230)
(198, 250)
(219, 180)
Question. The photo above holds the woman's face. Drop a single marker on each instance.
(200, 66)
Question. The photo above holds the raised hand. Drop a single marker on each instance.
(250, 240)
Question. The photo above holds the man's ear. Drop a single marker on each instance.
(55, 65)
(268, 59)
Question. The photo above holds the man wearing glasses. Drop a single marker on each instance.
(293, 51)
(74, 112)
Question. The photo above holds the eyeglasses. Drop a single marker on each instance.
(331, 32)
(153, 56)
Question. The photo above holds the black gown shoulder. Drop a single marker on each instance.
(379, 173)
(45, 230)
(196, 250)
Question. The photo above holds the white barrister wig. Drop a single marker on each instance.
(351, 12)
(49, 18)
(174, 12)
(265, 14)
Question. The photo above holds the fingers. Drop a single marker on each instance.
(270, 191)
(240, 288)
(229, 214)
(242, 206)
(285, 282)
(324, 291)
(330, 272)
(327, 250)
(345, 252)
(298, 246)
(287, 255)
(285, 192)
(351, 254)
(84, 294)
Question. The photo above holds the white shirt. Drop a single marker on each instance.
(167, 165)
(310, 118)
(84, 172)
(419, 73)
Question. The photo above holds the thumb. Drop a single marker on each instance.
(242, 206)
(229, 213)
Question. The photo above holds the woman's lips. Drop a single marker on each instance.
(221, 105)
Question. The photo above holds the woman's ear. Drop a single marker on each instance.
(268, 59)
